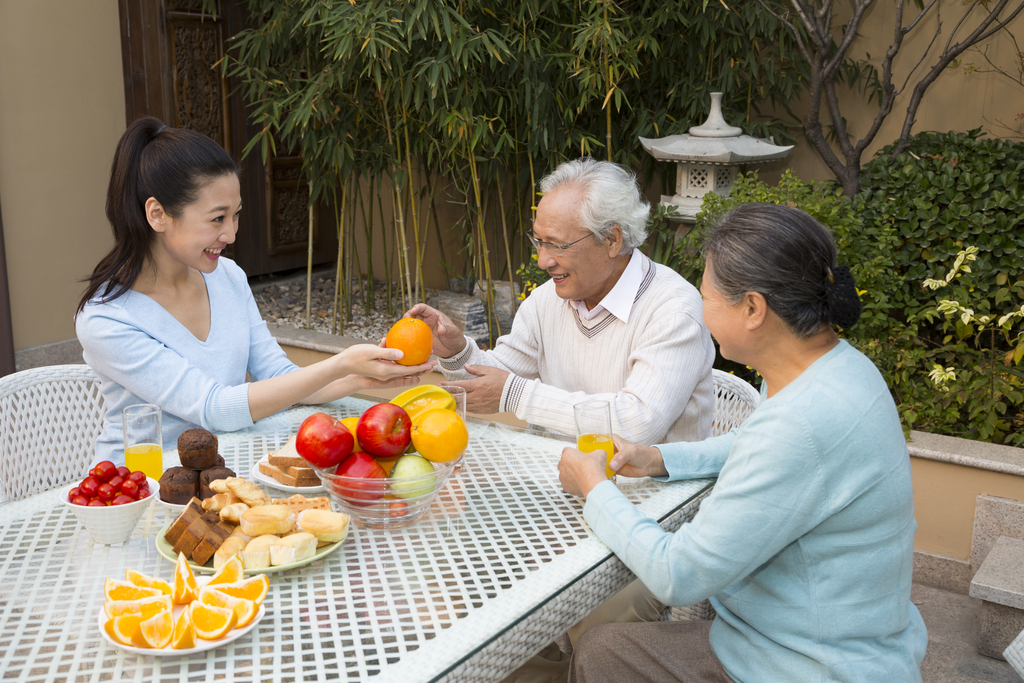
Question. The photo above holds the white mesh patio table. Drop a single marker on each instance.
(501, 565)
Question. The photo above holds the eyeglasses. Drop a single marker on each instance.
(553, 249)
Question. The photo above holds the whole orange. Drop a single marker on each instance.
(412, 336)
(350, 424)
(440, 435)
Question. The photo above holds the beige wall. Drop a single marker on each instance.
(61, 114)
(955, 101)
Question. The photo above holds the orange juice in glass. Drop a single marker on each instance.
(143, 439)
(594, 430)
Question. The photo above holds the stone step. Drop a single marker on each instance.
(999, 584)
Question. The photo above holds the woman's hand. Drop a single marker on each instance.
(377, 363)
(636, 460)
(448, 338)
(579, 472)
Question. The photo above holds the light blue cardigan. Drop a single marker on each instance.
(805, 544)
(144, 355)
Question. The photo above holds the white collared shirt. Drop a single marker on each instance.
(619, 301)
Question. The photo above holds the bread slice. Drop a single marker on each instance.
(193, 511)
(287, 456)
(302, 480)
(213, 540)
(191, 538)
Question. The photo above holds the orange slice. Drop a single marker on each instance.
(185, 588)
(122, 590)
(254, 589)
(122, 629)
(156, 631)
(139, 579)
(244, 609)
(144, 606)
(184, 636)
(231, 572)
(211, 622)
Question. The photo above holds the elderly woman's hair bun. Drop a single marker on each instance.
(789, 258)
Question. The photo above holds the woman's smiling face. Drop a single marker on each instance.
(205, 227)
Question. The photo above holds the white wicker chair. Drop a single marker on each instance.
(49, 420)
(734, 401)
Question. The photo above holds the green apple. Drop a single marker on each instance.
(416, 469)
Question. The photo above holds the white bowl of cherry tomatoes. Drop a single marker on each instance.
(110, 501)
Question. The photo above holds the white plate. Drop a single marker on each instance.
(201, 646)
(270, 481)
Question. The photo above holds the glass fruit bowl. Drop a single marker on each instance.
(387, 503)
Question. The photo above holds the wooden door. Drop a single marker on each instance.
(169, 50)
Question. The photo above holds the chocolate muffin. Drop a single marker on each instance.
(197, 449)
(178, 485)
(212, 474)
(218, 462)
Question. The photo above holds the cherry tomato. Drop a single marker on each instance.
(97, 503)
(72, 493)
(106, 470)
(123, 471)
(122, 499)
(130, 488)
(106, 492)
(89, 487)
(116, 481)
(80, 500)
(138, 477)
(144, 493)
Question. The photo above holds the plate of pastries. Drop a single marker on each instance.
(267, 534)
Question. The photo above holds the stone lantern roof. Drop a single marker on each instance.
(707, 158)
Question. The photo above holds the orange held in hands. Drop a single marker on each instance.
(412, 337)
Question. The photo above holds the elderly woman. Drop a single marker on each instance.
(805, 545)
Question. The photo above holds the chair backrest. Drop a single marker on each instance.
(734, 401)
(49, 420)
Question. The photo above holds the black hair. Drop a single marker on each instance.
(789, 258)
(171, 165)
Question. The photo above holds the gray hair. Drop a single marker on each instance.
(790, 259)
(611, 196)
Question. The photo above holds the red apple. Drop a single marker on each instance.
(323, 441)
(384, 430)
(363, 471)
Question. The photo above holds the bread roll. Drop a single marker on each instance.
(292, 549)
(233, 513)
(250, 494)
(219, 486)
(327, 526)
(219, 501)
(232, 545)
(267, 519)
(256, 554)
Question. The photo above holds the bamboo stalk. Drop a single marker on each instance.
(388, 255)
(412, 202)
(337, 324)
(369, 298)
(309, 254)
(483, 240)
(399, 218)
(504, 235)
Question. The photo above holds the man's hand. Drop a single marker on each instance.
(448, 339)
(483, 394)
(579, 472)
(636, 460)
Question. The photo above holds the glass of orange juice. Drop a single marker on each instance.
(143, 439)
(594, 430)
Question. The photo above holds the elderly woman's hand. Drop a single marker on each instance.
(636, 460)
(579, 472)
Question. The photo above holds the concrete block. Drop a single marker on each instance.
(994, 517)
(999, 626)
(468, 312)
(999, 584)
(506, 299)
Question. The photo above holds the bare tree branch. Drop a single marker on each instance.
(848, 37)
(924, 53)
(918, 18)
(792, 29)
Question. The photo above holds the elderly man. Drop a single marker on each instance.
(610, 324)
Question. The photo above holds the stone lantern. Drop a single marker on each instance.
(708, 159)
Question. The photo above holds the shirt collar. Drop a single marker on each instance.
(619, 301)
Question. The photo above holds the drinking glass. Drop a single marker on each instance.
(459, 394)
(594, 430)
(143, 439)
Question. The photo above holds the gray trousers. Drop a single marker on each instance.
(654, 651)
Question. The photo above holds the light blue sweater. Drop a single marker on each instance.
(805, 545)
(144, 355)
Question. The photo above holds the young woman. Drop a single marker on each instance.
(805, 545)
(166, 320)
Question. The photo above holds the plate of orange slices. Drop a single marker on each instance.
(147, 616)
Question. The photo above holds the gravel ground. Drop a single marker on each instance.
(284, 303)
